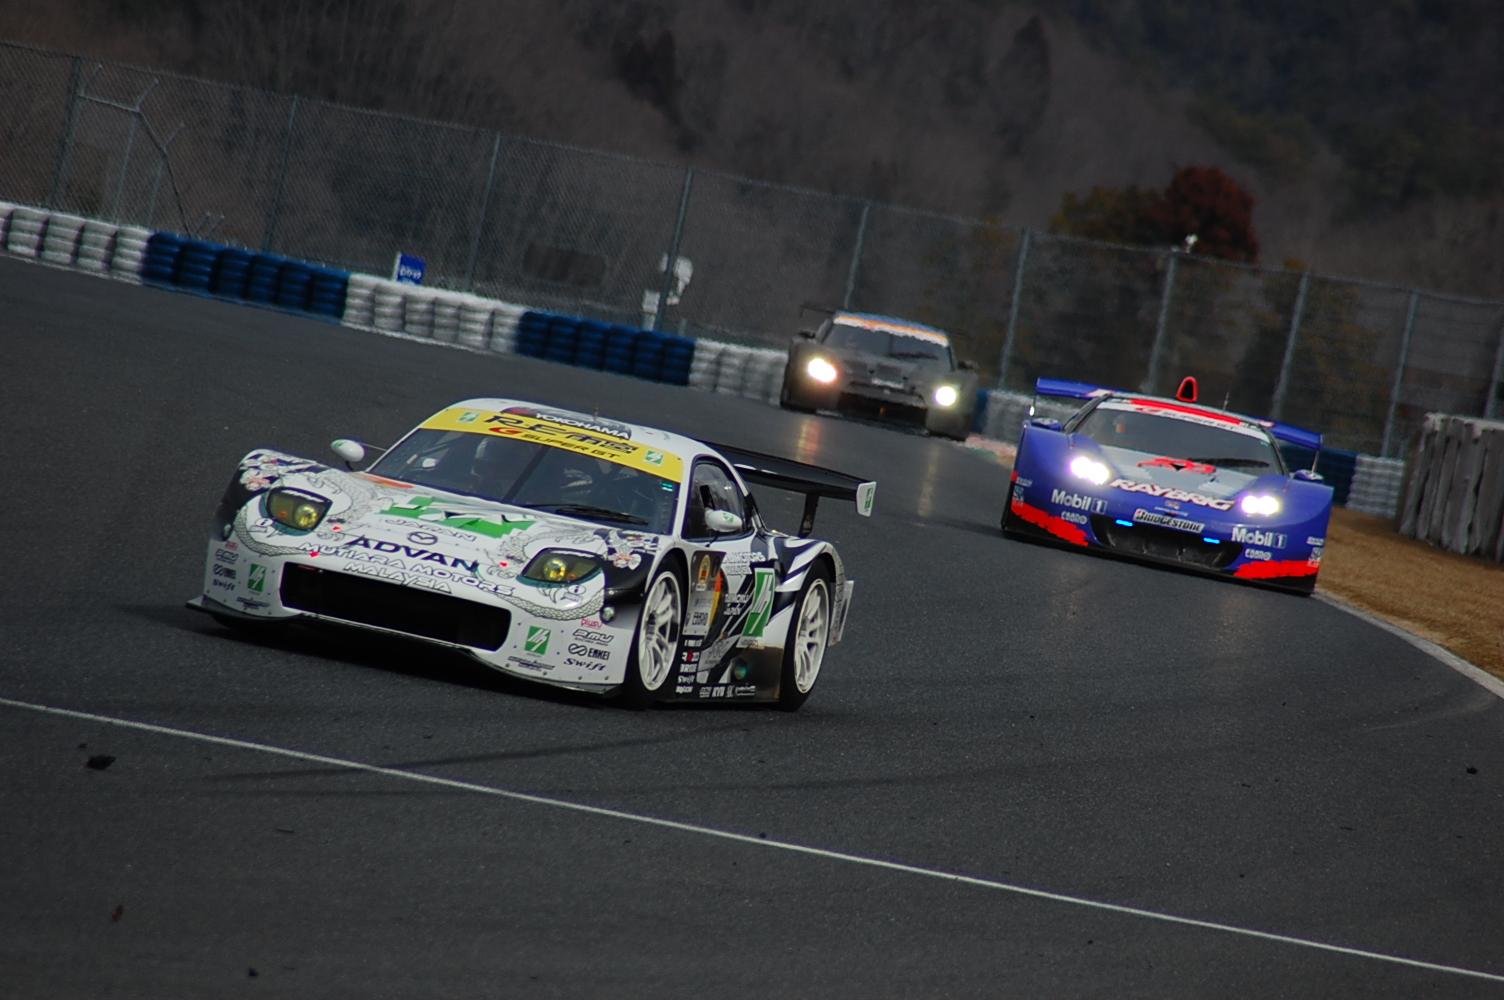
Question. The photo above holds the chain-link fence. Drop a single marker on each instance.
(709, 254)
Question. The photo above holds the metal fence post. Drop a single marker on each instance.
(1151, 377)
(125, 164)
(1005, 360)
(271, 216)
(856, 255)
(480, 223)
(673, 249)
(1491, 404)
(1399, 373)
(1276, 408)
(65, 144)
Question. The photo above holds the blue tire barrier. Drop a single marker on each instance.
(560, 345)
(590, 345)
(979, 414)
(195, 270)
(261, 280)
(647, 356)
(231, 272)
(160, 265)
(294, 279)
(1337, 468)
(532, 334)
(326, 295)
(678, 355)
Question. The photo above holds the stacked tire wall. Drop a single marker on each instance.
(368, 302)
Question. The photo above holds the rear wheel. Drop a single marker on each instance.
(809, 637)
(655, 648)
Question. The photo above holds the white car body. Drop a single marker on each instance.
(447, 568)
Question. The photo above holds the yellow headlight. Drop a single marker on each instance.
(296, 510)
(561, 567)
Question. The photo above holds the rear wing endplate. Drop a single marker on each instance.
(799, 477)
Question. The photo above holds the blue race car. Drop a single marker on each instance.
(1169, 481)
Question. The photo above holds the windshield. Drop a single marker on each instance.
(534, 475)
(1174, 437)
(886, 344)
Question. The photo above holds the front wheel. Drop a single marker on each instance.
(809, 636)
(655, 649)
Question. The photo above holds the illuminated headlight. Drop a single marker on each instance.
(554, 566)
(946, 395)
(1089, 469)
(821, 370)
(1261, 504)
(295, 509)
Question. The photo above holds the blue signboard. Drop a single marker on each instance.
(408, 270)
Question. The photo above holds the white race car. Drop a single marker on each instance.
(552, 545)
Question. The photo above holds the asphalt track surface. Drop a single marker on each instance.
(1027, 773)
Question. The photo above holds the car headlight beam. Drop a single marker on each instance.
(1259, 504)
(821, 370)
(946, 395)
(296, 509)
(1089, 469)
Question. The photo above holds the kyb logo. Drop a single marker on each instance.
(1253, 536)
(1090, 504)
(537, 640)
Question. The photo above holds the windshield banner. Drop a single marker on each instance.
(580, 440)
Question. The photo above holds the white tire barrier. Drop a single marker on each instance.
(474, 321)
(23, 237)
(1377, 484)
(417, 313)
(96, 242)
(60, 239)
(6, 208)
(504, 319)
(129, 253)
(705, 363)
(387, 308)
(446, 317)
(360, 301)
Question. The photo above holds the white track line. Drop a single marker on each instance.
(1473, 673)
(742, 838)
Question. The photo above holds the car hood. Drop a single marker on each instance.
(418, 535)
(863, 365)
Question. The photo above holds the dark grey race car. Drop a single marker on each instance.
(881, 367)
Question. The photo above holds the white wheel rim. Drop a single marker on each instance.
(811, 635)
(658, 637)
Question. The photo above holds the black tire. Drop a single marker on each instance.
(1006, 522)
(787, 403)
(653, 663)
(809, 638)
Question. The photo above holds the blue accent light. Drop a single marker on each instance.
(1211, 541)
(1126, 524)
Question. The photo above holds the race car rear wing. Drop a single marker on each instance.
(799, 477)
(1285, 433)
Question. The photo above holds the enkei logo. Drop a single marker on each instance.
(1254, 536)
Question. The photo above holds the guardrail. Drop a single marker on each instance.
(364, 301)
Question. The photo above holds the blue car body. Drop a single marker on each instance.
(1113, 478)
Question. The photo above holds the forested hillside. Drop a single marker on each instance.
(1371, 139)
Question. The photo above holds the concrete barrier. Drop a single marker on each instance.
(1454, 490)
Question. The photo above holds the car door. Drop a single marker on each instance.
(731, 589)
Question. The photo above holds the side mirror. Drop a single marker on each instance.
(722, 522)
(1308, 475)
(1047, 423)
(352, 452)
(968, 366)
